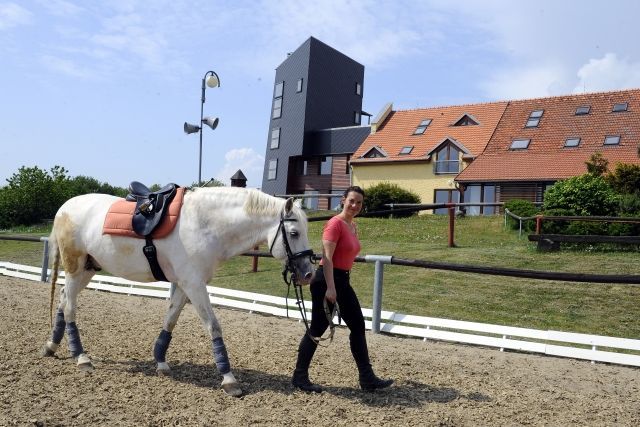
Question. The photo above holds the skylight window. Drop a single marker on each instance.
(422, 127)
(520, 144)
(620, 107)
(612, 140)
(406, 149)
(572, 142)
(534, 118)
(582, 110)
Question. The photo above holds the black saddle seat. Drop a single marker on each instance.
(151, 206)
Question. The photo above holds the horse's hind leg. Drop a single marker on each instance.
(176, 304)
(73, 285)
(59, 326)
(200, 299)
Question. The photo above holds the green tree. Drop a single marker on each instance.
(597, 165)
(583, 195)
(625, 178)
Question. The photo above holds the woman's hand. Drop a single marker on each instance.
(330, 295)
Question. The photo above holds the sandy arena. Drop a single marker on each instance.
(436, 383)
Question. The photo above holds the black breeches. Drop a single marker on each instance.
(348, 304)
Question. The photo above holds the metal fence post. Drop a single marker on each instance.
(45, 259)
(377, 288)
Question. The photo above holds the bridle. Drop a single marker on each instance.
(290, 278)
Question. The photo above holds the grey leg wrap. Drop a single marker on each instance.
(162, 344)
(220, 356)
(73, 337)
(58, 328)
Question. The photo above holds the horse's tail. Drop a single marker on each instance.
(54, 254)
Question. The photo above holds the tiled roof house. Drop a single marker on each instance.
(423, 150)
(540, 141)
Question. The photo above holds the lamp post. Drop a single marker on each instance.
(212, 80)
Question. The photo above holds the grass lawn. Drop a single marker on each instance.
(480, 241)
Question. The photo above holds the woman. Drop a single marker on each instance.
(340, 246)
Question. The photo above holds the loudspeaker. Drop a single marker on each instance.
(212, 122)
(189, 128)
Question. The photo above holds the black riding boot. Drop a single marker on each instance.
(368, 380)
(301, 374)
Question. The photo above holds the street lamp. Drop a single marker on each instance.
(212, 80)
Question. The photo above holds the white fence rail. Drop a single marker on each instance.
(595, 348)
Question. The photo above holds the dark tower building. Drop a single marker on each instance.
(315, 123)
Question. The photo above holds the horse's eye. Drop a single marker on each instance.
(294, 233)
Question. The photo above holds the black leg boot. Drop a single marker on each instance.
(301, 374)
(368, 380)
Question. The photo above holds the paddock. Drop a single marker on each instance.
(436, 383)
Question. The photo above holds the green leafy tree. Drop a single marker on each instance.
(625, 178)
(597, 165)
(384, 193)
(583, 195)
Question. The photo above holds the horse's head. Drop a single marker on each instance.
(289, 242)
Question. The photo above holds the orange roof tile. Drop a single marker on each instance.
(397, 131)
(546, 158)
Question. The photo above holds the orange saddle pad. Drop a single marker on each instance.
(120, 216)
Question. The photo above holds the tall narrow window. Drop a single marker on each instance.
(356, 117)
(299, 87)
(447, 160)
(273, 169)
(422, 127)
(445, 196)
(277, 101)
(325, 165)
(275, 138)
(534, 118)
(358, 88)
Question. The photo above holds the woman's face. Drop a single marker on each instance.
(352, 203)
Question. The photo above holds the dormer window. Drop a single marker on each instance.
(534, 118)
(612, 140)
(582, 110)
(572, 142)
(466, 120)
(447, 160)
(374, 153)
(406, 150)
(422, 127)
(520, 144)
(620, 107)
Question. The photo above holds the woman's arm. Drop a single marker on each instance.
(328, 248)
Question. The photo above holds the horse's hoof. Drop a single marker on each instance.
(49, 349)
(232, 389)
(163, 369)
(84, 363)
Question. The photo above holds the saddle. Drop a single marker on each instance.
(151, 206)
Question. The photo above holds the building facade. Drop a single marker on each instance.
(314, 123)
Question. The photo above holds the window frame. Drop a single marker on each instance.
(534, 119)
(572, 138)
(611, 137)
(620, 107)
(422, 127)
(522, 140)
(357, 117)
(325, 160)
(299, 85)
(407, 149)
(272, 172)
(358, 89)
(276, 138)
(449, 147)
(580, 112)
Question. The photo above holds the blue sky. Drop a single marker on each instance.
(103, 88)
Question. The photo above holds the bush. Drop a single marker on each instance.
(556, 227)
(384, 193)
(584, 195)
(625, 179)
(522, 208)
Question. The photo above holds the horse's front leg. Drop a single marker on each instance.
(200, 300)
(176, 304)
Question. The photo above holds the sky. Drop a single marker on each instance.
(103, 88)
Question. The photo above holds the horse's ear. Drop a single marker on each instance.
(288, 206)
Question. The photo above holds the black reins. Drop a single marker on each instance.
(290, 278)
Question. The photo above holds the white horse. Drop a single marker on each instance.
(215, 224)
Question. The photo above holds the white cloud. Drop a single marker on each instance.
(522, 83)
(13, 15)
(60, 7)
(608, 73)
(246, 159)
(64, 66)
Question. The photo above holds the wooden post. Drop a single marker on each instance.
(254, 262)
(452, 217)
(538, 224)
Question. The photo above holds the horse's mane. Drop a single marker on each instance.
(259, 203)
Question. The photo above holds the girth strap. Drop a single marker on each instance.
(150, 252)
